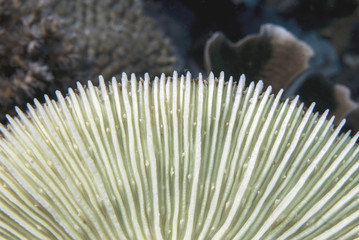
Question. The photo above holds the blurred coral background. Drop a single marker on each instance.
(310, 48)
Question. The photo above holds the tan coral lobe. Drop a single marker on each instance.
(274, 55)
(176, 158)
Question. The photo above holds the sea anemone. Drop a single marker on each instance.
(176, 158)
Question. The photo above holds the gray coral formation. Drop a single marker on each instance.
(36, 56)
(116, 36)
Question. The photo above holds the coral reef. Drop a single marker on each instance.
(116, 37)
(36, 56)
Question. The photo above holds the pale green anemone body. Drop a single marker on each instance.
(176, 158)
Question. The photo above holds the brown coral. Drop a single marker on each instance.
(35, 55)
(274, 54)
